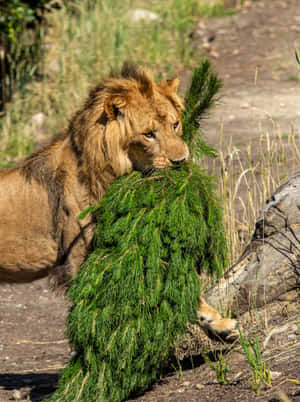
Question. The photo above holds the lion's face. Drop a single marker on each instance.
(128, 122)
(156, 139)
(145, 118)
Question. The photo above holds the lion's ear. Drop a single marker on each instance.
(173, 84)
(114, 106)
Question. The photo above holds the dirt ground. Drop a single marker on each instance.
(253, 51)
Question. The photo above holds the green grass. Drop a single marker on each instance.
(260, 370)
(219, 365)
(84, 46)
(294, 78)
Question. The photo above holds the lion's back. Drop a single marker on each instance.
(25, 239)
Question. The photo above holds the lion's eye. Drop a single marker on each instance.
(176, 125)
(150, 134)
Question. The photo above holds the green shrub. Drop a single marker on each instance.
(20, 46)
(139, 288)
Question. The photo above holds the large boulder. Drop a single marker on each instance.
(270, 265)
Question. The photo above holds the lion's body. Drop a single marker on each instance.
(26, 244)
(40, 232)
(127, 122)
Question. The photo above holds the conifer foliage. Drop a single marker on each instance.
(139, 288)
(198, 100)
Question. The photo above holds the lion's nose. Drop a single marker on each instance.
(178, 161)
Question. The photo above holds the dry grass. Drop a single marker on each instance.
(248, 176)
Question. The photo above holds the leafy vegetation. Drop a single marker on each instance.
(219, 365)
(15, 14)
(206, 83)
(20, 43)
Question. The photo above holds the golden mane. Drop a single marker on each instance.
(99, 145)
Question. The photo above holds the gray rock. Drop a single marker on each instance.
(270, 264)
(37, 120)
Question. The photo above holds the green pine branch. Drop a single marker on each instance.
(199, 98)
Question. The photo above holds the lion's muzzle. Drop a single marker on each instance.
(178, 161)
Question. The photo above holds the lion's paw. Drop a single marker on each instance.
(223, 329)
(216, 327)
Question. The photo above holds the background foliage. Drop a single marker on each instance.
(20, 43)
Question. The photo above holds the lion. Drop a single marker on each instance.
(127, 122)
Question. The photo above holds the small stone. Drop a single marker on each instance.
(236, 52)
(295, 28)
(186, 383)
(236, 377)
(199, 386)
(245, 105)
(214, 54)
(292, 336)
(16, 395)
(247, 4)
(37, 120)
(275, 374)
(206, 45)
(140, 14)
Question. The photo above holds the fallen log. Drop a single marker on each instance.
(270, 265)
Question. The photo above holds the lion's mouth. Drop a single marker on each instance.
(178, 162)
(148, 172)
(161, 163)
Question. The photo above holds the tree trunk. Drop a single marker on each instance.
(270, 265)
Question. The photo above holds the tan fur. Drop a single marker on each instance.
(127, 122)
(215, 326)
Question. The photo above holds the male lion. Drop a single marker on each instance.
(128, 122)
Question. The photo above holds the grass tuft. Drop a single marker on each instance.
(261, 373)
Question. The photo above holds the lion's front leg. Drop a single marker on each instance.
(215, 326)
(75, 243)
